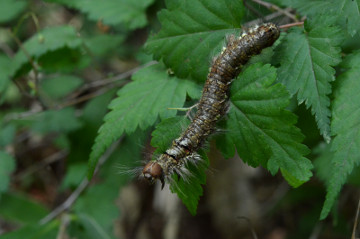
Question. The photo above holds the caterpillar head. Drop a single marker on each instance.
(153, 171)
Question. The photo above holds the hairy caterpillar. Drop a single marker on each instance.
(213, 103)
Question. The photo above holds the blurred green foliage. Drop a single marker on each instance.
(64, 97)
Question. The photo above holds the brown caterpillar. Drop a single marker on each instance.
(213, 103)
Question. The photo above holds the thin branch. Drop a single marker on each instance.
(6, 49)
(251, 8)
(51, 159)
(353, 236)
(83, 185)
(291, 25)
(119, 77)
(276, 8)
(250, 226)
(316, 232)
(266, 18)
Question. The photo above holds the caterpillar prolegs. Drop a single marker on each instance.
(213, 103)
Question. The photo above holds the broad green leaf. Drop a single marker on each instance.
(35, 231)
(139, 104)
(345, 127)
(7, 134)
(20, 209)
(188, 191)
(45, 44)
(346, 11)
(307, 60)
(262, 130)
(5, 63)
(56, 121)
(130, 13)
(7, 166)
(60, 86)
(10, 9)
(193, 30)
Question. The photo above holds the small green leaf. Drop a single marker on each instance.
(188, 191)
(7, 166)
(60, 86)
(7, 133)
(346, 11)
(56, 121)
(55, 38)
(139, 104)
(191, 31)
(307, 60)
(10, 9)
(262, 130)
(345, 126)
(74, 174)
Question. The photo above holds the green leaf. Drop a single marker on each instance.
(262, 130)
(346, 11)
(20, 209)
(35, 231)
(102, 44)
(60, 86)
(113, 12)
(345, 126)
(139, 104)
(191, 31)
(56, 121)
(74, 174)
(93, 228)
(7, 167)
(188, 191)
(5, 64)
(307, 60)
(10, 9)
(45, 44)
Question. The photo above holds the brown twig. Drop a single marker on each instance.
(6, 49)
(356, 221)
(16, 116)
(276, 8)
(113, 79)
(250, 226)
(291, 25)
(82, 186)
(49, 160)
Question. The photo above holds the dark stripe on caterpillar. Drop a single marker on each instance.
(213, 103)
